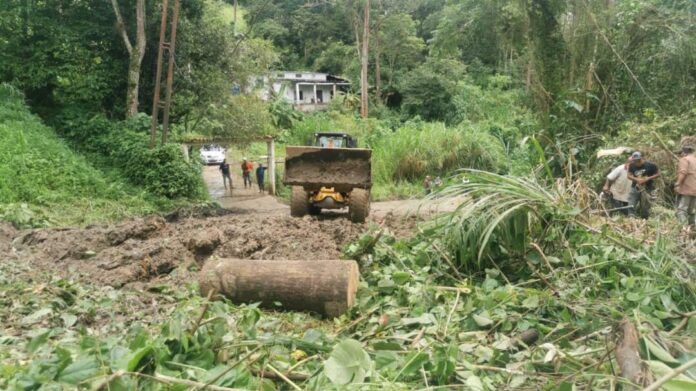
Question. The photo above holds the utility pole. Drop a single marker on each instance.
(364, 61)
(170, 73)
(158, 77)
(169, 46)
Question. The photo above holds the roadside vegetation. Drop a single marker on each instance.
(43, 182)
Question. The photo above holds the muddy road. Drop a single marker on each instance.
(171, 249)
(252, 201)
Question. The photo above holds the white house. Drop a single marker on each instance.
(306, 91)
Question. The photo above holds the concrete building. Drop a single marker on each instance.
(306, 91)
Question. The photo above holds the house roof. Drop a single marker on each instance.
(329, 77)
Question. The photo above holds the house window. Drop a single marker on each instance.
(301, 95)
(298, 75)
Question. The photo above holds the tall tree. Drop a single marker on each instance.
(135, 53)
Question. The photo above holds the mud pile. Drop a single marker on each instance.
(157, 250)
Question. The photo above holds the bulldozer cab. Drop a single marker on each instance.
(334, 140)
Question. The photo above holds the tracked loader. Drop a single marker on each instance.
(330, 174)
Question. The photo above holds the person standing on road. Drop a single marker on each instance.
(642, 173)
(686, 186)
(618, 186)
(247, 168)
(225, 169)
(428, 184)
(260, 173)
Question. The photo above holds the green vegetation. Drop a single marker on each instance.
(43, 182)
(425, 316)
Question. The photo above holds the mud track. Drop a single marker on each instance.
(171, 249)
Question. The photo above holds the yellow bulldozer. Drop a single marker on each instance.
(332, 173)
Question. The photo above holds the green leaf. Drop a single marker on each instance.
(414, 361)
(348, 363)
(482, 319)
(474, 383)
(69, 320)
(680, 383)
(79, 371)
(38, 340)
(660, 353)
(36, 317)
(531, 302)
(130, 362)
(401, 278)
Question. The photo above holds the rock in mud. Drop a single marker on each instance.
(203, 243)
(137, 229)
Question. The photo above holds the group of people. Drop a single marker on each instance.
(429, 184)
(633, 182)
(247, 168)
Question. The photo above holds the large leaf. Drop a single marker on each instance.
(130, 362)
(348, 363)
(79, 371)
(680, 383)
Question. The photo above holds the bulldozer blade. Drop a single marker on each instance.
(316, 167)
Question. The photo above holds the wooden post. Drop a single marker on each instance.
(316, 101)
(184, 149)
(271, 167)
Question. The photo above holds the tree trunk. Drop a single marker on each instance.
(135, 53)
(324, 287)
(378, 65)
(234, 19)
(364, 61)
(627, 354)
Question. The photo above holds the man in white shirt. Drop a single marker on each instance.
(619, 186)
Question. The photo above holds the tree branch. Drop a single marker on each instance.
(121, 27)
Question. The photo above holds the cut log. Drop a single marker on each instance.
(627, 354)
(325, 287)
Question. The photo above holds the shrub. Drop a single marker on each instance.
(43, 181)
(163, 170)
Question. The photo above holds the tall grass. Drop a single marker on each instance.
(418, 149)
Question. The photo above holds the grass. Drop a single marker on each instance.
(43, 182)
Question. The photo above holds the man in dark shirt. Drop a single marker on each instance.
(260, 173)
(225, 169)
(642, 173)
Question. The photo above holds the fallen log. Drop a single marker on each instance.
(627, 354)
(325, 287)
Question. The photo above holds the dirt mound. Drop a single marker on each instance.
(7, 233)
(151, 249)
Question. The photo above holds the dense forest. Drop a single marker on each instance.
(529, 282)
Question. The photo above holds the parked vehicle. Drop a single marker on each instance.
(212, 154)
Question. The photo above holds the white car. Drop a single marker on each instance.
(212, 154)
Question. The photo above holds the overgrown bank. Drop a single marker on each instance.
(43, 182)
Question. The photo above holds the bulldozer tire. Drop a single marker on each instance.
(359, 205)
(299, 202)
(313, 210)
